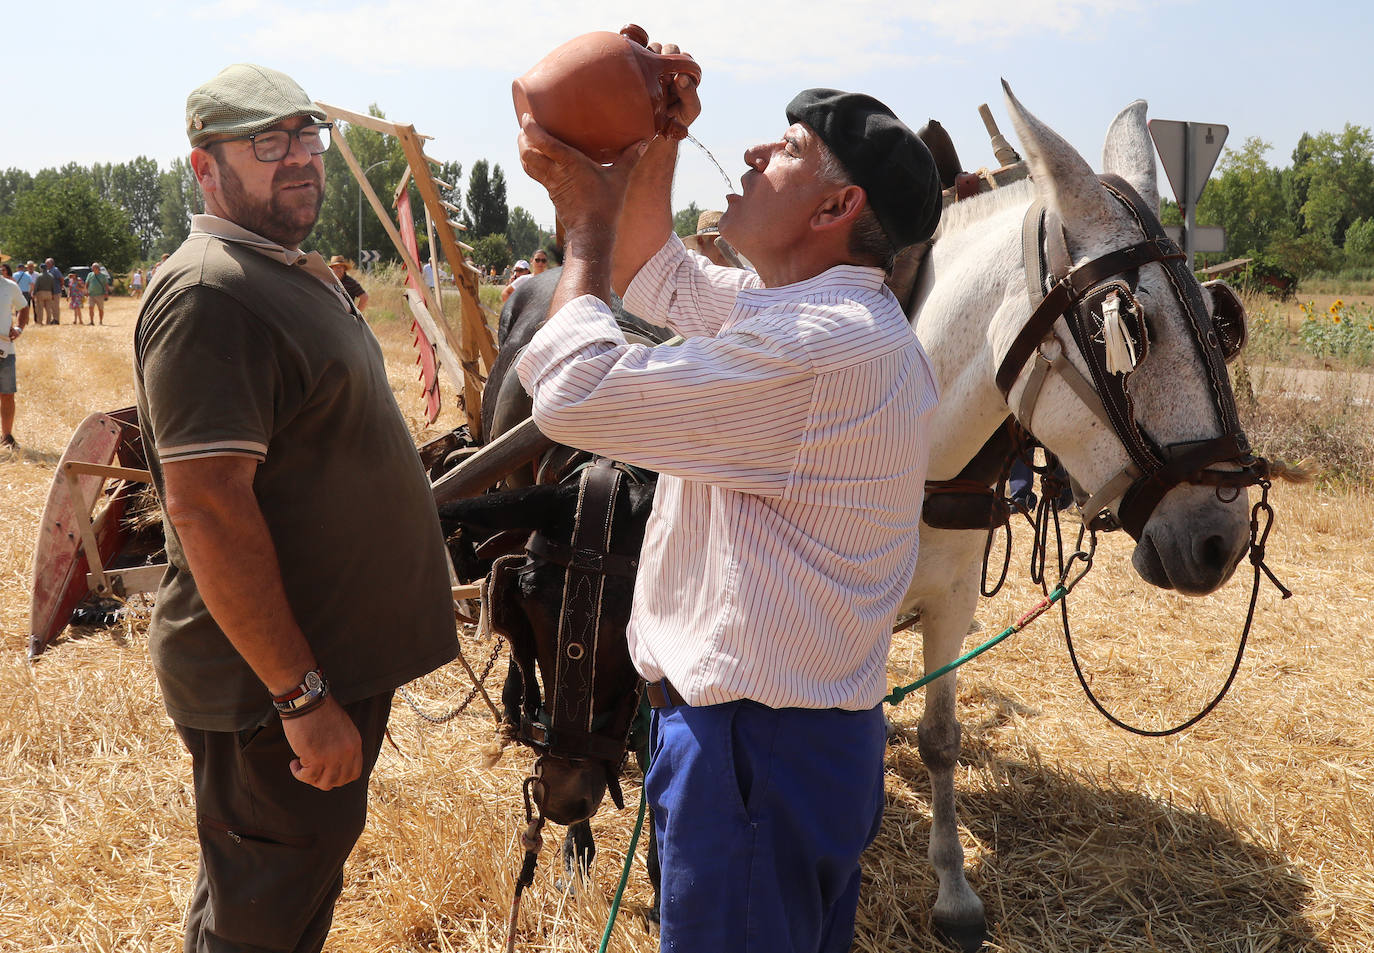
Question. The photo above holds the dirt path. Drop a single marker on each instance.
(1313, 384)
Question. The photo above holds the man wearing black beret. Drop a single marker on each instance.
(790, 431)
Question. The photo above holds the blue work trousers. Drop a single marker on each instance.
(761, 816)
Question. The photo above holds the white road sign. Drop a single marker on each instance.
(1208, 239)
(1189, 151)
(369, 256)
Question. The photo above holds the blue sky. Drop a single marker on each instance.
(1263, 68)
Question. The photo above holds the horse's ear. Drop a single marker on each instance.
(1063, 178)
(1130, 153)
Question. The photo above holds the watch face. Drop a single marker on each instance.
(313, 681)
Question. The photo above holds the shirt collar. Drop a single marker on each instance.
(859, 277)
(313, 262)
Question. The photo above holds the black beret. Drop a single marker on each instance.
(881, 155)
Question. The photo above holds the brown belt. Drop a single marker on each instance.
(662, 694)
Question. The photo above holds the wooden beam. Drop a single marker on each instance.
(385, 126)
(492, 463)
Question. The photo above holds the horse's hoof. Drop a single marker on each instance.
(967, 936)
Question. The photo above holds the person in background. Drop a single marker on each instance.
(76, 295)
(152, 269)
(287, 476)
(46, 291)
(136, 283)
(704, 241)
(11, 303)
(539, 262)
(25, 279)
(98, 289)
(51, 267)
(340, 265)
(520, 272)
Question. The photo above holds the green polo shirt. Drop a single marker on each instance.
(97, 283)
(243, 347)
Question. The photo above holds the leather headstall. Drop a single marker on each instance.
(1080, 294)
(567, 725)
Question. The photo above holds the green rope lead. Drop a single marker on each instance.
(898, 694)
(625, 871)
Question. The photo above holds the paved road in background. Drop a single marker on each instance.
(1313, 384)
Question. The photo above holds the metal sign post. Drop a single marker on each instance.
(1189, 152)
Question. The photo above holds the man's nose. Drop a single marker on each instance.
(297, 154)
(756, 157)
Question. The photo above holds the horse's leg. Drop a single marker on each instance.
(579, 849)
(946, 612)
(512, 698)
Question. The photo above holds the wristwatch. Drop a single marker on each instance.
(312, 690)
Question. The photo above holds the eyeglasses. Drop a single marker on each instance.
(541, 261)
(273, 145)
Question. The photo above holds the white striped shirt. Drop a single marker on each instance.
(790, 432)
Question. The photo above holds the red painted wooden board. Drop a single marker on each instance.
(59, 563)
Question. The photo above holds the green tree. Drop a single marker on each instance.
(136, 187)
(1304, 255)
(1359, 243)
(1339, 175)
(180, 199)
(685, 220)
(486, 203)
(523, 234)
(1246, 198)
(62, 216)
(12, 182)
(347, 221)
(491, 251)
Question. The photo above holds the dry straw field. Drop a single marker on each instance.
(1251, 832)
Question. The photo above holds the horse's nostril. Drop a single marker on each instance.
(1214, 553)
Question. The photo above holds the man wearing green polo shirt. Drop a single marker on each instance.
(97, 290)
(307, 575)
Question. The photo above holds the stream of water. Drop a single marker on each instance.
(730, 183)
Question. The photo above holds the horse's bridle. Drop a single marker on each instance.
(565, 725)
(1057, 289)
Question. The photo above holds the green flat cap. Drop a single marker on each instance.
(244, 99)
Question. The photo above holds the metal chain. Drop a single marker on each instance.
(455, 712)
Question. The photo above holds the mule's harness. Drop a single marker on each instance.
(566, 725)
(1057, 288)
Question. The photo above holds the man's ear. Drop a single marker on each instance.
(206, 169)
(840, 209)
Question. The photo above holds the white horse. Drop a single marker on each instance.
(972, 301)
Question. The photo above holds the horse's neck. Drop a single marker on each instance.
(971, 302)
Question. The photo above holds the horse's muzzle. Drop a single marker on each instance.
(568, 791)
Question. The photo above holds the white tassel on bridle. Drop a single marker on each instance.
(1121, 357)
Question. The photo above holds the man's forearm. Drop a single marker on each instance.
(587, 264)
(646, 219)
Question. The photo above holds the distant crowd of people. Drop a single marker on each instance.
(33, 294)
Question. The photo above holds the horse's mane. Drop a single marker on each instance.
(962, 214)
